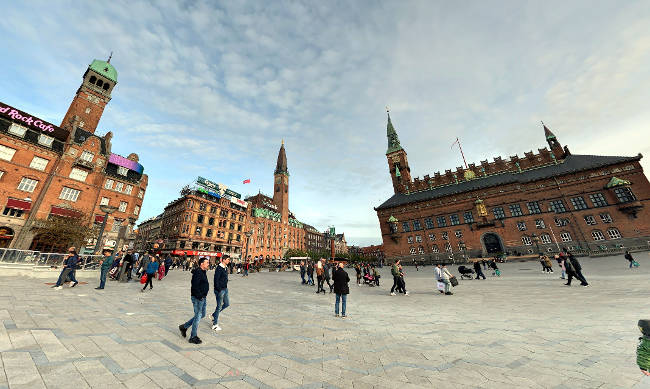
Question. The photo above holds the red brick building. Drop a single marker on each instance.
(66, 170)
(550, 199)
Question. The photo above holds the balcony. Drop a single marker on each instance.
(84, 163)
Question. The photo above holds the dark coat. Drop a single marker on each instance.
(200, 284)
(575, 263)
(477, 266)
(220, 279)
(341, 280)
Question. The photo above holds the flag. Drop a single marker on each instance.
(247, 181)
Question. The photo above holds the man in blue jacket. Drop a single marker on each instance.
(200, 289)
(220, 290)
(69, 266)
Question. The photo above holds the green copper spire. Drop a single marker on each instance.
(393, 140)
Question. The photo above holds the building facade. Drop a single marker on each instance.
(539, 203)
(148, 233)
(315, 241)
(67, 171)
(273, 228)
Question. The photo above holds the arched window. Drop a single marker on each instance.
(92, 79)
(420, 250)
(597, 235)
(106, 86)
(526, 240)
(99, 83)
(545, 238)
(565, 236)
(614, 233)
(435, 248)
(412, 250)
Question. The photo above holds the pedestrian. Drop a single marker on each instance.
(341, 288)
(220, 287)
(560, 263)
(169, 262)
(319, 276)
(357, 268)
(402, 281)
(548, 263)
(199, 291)
(416, 265)
(151, 270)
(375, 275)
(247, 266)
(492, 264)
(397, 282)
(577, 270)
(162, 269)
(445, 278)
(327, 269)
(477, 269)
(303, 270)
(628, 256)
(540, 257)
(106, 263)
(310, 273)
(69, 265)
(127, 266)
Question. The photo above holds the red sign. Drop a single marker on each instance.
(17, 115)
(197, 253)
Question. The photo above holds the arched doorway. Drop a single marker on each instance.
(45, 245)
(6, 235)
(492, 243)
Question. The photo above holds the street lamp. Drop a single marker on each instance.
(535, 239)
(248, 238)
(107, 209)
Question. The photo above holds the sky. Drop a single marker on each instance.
(208, 88)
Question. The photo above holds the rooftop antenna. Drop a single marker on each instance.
(109, 57)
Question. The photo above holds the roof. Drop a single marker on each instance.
(104, 68)
(281, 166)
(571, 164)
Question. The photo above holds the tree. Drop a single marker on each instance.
(58, 233)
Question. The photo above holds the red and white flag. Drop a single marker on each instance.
(247, 181)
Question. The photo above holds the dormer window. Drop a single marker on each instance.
(122, 171)
(45, 140)
(17, 130)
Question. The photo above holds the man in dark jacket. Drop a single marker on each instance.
(310, 274)
(106, 264)
(327, 269)
(303, 270)
(220, 286)
(577, 270)
(341, 288)
(477, 269)
(168, 264)
(69, 266)
(200, 289)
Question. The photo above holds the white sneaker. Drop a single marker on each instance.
(392, 293)
(215, 327)
(406, 294)
(59, 287)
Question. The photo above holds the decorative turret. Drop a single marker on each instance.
(397, 162)
(553, 143)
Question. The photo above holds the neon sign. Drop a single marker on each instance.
(127, 163)
(31, 121)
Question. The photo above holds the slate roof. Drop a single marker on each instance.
(81, 135)
(571, 164)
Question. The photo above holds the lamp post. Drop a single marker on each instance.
(107, 209)
(248, 238)
(535, 239)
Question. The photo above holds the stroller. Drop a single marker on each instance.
(465, 272)
(369, 280)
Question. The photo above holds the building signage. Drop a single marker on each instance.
(209, 192)
(239, 202)
(125, 162)
(207, 183)
(196, 252)
(17, 115)
(233, 193)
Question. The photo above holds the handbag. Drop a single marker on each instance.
(441, 286)
(143, 279)
(453, 281)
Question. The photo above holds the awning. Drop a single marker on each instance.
(99, 218)
(65, 212)
(19, 204)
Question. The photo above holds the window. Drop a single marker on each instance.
(624, 194)
(526, 240)
(123, 205)
(211, 221)
(121, 170)
(428, 223)
(119, 186)
(2, 173)
(454, 219)
(136, 210)
(199, 219)
(78, 174)
(208, 233)
(597, 235)
(539, 223)
(87, 156)
(442, 221)
(108, 184)
(614, 233)
(578, 203)
(432, 237)
(435, 249)
(561, 222)
(6, 153)
(409, 239)
(533, 207)
(468, 217)
(27, 184)
(104, 201)
(45, 140)
(498, 213)
(17, 130)
(416, 225)
(545, 238)
(445, 235)
(13, 212)
(458, 233)
(129, 189)
(393, 227)
(116, 225)
(418, 238)
(557, 206)
(198, 230)
(565, 236)
(605, 218)
(140, 194)
(420, 250)
(521, 226)
(448, 247)
(590, 220)
(69, 194)
(38, 163)
(203, 206)
(406, 227)
(515, 210)
(598, 200)
(412, 251)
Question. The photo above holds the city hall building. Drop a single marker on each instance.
(540, 202)
(67, 170)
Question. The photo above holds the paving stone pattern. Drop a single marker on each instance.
(521, 330)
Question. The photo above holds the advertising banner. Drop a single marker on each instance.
(233, 193)
(239, 202)
(208, 192)
(207, 183)
(25, 119)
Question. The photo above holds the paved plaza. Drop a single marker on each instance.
(522, 330)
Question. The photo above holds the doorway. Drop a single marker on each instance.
(492, 243)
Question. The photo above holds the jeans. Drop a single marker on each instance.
(479, 273)
(339, 297)
(150, 277)
(245, 272)
(396, 284)
(302, 275)
(64, 274)
(199, 313)
(631, 263)
(102, 277)
(223, 302)
(563, 274)
(310, 279)
(320, 283)
(447, 285)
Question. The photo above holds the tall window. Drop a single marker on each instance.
(27, 184)
(598, 200)
(605, 217)
(69, 194)
(123, 205)
(78, 174)
(458, 233)
(104, 201)
(136, 210)
(565, 236)
(412, 251)
(499, 213)
(119, 186)
(521, 226)
(515, 210)
(406, 227)
(624, 194)
(122, 171)
(420, 250)
(533, 207)
(597, 235)
(108, 184)
(140, 194)
(6, 153)
(614, 233)
(416, 225)
(545, 238)
(557, 206)
(448, 247)
(87, 156)
(128, 189)
(445, 235)
(198, 230)
(45, 140)
(578, 203)
(454, 219)
(38, 163)
(435, 248)
(442, 221)
(526, 240)
(428, 223)
(418, 238)
(432, 237)
(539, 223)
(468, 217)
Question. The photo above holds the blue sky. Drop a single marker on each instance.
(211, 88)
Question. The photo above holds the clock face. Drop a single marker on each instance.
(278, 180)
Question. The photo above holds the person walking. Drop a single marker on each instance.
(310, 273)
(477, 269)
(560, 263)
(375, 275)
(548, 264)
(327, 269)
(357, 268)
(437, 271)
(105, 265)
(629, 257)
(199, 292)
(540, 256)
(341, 288)
(151, 270)
(445, 278)
(303, 271)
(168, 264)
(69, 265)
(577, 270)
(220, 287)
(394, 271)
(319, 276)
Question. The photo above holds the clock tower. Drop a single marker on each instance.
(281, 185)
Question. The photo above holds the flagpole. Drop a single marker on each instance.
(461, 151)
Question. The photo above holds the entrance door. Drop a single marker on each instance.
(492, 244)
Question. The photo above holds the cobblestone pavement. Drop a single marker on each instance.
(522, 330)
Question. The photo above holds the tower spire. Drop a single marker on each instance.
(547, 133)
(281, 166)
(393, 140)
(554, 144)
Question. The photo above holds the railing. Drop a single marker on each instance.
(36, 258)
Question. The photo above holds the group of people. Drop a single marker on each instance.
(370, 274)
